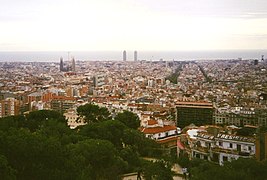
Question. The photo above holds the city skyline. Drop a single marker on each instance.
(146, 25)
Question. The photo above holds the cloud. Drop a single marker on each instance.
(209, 8)
(120, 24)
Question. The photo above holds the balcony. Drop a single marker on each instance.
(232, 151)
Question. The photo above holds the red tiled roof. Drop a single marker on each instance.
(168, 139)
(152, 122)
(154, 130)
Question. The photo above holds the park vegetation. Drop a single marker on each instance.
(40, 145)
(240, 169)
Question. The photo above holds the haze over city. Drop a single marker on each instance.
(82, 25)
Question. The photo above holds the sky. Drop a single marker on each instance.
(157, 25)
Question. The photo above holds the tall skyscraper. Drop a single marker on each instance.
(124, 55)
(135, 55)
(61, 65)
(73, 64)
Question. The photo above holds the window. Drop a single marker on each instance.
(166, 134)
(220, 143)
(225, 158)
(249, 148)
(231, 145)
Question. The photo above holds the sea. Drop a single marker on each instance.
(54, 56)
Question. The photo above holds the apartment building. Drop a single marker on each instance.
(222, 147)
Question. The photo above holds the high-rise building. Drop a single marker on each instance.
(9, 107)
(61, 105)
(124, 55)
(256, 62)
(135, 56)
(198, 113)
(261, 146)
(99, 80)
(61, 65)
(73, 64)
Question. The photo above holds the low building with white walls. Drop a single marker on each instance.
(73, 119)
(165, 135)
(222, 147)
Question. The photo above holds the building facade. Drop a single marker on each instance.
(165, 135)
(9, 107)
(240, 116)
(124, 54)
(222, 147)
(135, 56)
(194, 112)
(99, 80)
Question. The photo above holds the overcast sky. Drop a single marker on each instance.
(132, 25)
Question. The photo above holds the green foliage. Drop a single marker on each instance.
(183, 161)
(34, 156)
(43, 115)
(144, 146)
(32, 121)
(12, 122)
(132, 137)
(173, 77)
(246, 131)
(130, 155)
(159, 170)
(111, 130)
(128, 118)
(243, 169)
(40, 145)
(93, 113)
(208, 79)
(6, 172)
(100, 156)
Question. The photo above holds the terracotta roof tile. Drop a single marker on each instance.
(168, 139)
(154, 130)
(152, 122)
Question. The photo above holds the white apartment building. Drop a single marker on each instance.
(73, 119)
(222, 147)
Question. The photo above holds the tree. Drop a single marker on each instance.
(144, 146)
(93, 113)
(101, 156)
(53, 128)
(184, 161)
(12, 122)
(6, 172)
(43, 115)
(35, 119)
(237, 169)
(158, 170)
(36, 156)
(128, 118)
(130, 155)
(246, 131)
(110, 130)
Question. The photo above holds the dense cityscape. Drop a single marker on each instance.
(214, 110)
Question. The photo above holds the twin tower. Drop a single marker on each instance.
(124, 54)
